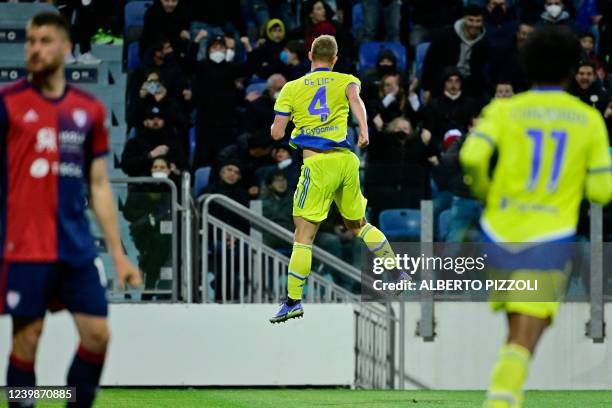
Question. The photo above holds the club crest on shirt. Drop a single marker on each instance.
(80, 117)
(12, 299)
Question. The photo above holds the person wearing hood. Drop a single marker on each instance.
(587, 87)
(463, 46)
(555, 13)
(167, 18)
(500, 25)
(216, 96)
(277, 206)
(386, 63)
(155, 139)
(451, 110)
(265, 60)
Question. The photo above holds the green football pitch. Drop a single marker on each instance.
(340, 398)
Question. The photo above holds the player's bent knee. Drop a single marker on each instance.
(26, 335)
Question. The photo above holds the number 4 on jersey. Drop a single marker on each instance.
(319, 98)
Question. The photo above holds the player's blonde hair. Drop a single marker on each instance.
(324, 49)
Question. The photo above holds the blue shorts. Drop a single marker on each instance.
(30, 289)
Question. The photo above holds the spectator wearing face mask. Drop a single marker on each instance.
(155, 139)
(168, 19)
(463, 46)
(264, 60)
(453, 109)
(153, 92)
(216, 96)
(397, 169)
(386, 63)
(260, 112)
(293, 58)
(555, 13)
(146, 209)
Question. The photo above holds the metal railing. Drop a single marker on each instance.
(246, 271)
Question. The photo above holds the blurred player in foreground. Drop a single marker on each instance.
(551, 150)
(318, 103)
(52, 147)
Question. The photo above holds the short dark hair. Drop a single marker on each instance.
(550, 54)
(586, 34)
(51, 19)
(474, 11)
(587, 63)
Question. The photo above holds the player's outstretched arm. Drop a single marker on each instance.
(101, 199)
(278, 127)
(359, 110)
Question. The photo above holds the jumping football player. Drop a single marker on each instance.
(318, 103)
(551, 150)
(52, 147)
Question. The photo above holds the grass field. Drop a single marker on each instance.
(341, 398)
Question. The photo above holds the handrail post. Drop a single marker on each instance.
(425, 327)
(596, 324)
(258, 278)
(186, 261)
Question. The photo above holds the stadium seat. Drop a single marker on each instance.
(368, 53)
(419, 59)
(202, 177)
(133, 57)
(358, 21)
(134, 20)
(192, 143)
(259, 87)
(403, 223)
(443, 222)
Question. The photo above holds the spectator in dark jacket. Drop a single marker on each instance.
(386, 63)
(154, 140)
(429, 16)
(223, 15)
(260, 112)
(555, 13)
(216, 97)
(168, 19)
(451, 110)
(265, 59)
(286, 163)
(587, 43)
(462, 46)
(505, 66)
(294, 60)
(500, 25)
(277, 206)
(588, 88)
(393, 101)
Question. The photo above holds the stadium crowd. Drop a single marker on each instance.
(218, 67)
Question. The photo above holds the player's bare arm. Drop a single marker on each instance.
(359, 110)
(102, 204)
(278, 127)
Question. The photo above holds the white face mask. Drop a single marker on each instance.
(229, 55)
(554, 10)
(276, 95)
(217, 56)
(452, 97)
(159, 174)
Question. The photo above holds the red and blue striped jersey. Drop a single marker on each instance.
(46, 150)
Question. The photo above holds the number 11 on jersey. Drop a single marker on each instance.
(319, 98)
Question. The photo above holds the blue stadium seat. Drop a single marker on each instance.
(368, 54)
(259, 87)
(419, 59)
(202, 177)
(192, 143)
(403, 223)
(134, 14)
(443, 223)
(133, 57)
(358, 21)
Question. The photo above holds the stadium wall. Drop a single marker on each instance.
(234, 345)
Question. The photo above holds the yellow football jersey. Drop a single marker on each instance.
(552, 149)
(319, 108)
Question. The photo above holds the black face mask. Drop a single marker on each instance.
(401, 135)
(498, 15)
(385, 69)
(170, 58)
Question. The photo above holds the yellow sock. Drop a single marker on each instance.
(508, 377)
(376, 241)
(299, 269)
